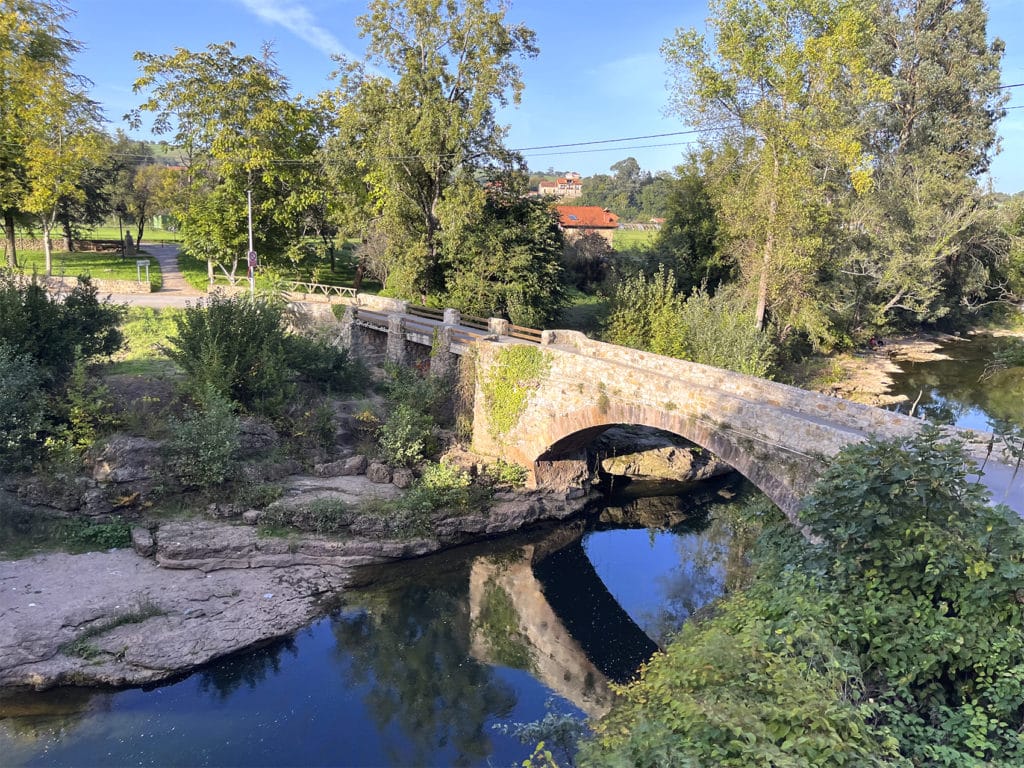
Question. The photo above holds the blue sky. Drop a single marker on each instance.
(599, 74)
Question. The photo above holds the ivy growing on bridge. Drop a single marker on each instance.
(507, 386)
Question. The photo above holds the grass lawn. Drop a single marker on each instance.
(634, 239)
(585, 313)
(150, 235)
(99, 266)
(145, 331)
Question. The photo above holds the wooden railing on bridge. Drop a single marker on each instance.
(320, 289)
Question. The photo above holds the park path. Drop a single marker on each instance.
(176, 292)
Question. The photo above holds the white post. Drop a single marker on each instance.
(252, 269)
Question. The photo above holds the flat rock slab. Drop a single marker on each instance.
(50, 601)
(350, 489)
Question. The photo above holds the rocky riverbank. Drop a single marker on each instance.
(195, 590)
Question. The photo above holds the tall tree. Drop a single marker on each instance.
(239, 132)
(62, 145)
(417, 121)
(925, 239)
(777, 88)
(35, 51)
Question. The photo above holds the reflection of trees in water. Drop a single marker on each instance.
(713, 561)
(249, 668)
(413, 648)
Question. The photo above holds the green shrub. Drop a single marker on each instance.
(86, 414)
(504, 473)
(897, 640)
(649, 314)
(324, 517)
(323, 364)
(424, 394)
(85, 534)
(55, 333)
(236, 346)
(406, 437)
(202, 445)
(441, 486)
(22, 409)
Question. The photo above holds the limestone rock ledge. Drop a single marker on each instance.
(211, 589)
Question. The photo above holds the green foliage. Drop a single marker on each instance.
(415, 143)
(258, 495)
(236, 347)
(323, 364)
(441, 486)
(22, 409)
(426, 394)
(202, 445)
(506, 264)
(83, 535)
(896, 640)
(324, 517)
(649, 314)
(503, 473)
(406, 437)
(54, 333)
(507, 387)
(86, 414)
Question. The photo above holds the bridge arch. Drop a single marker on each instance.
(571, 433)
(779, 437)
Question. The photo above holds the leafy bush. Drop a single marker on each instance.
(649, 314)
(86, 414)
(324, 517)
(202, 446)
(441, 486)
(406, 437)
(85, 534)
(22, 408)
(55, 333)
(236, 347)
(504, 473)
(424, 394)
(322, 363)
(898, 640)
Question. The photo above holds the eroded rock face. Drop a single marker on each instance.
(255, 436)
(402, 478)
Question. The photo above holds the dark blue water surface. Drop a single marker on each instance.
(434, 663)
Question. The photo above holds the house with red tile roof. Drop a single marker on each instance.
(577, 220)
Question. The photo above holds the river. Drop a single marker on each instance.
(431, 662)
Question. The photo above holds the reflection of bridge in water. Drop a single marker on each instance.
(544, 609)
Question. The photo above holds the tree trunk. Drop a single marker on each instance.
(142, 228)
(769, 247)
(68, 235)
(10, 247)
(47, 246)
(209, 270)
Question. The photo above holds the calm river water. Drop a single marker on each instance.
(433, 663)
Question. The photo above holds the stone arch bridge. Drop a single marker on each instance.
(779, 437)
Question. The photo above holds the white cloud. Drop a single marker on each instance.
(298, 20)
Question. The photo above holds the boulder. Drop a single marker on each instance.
(355, 465)
(378, 473)
(251, 516)
(331, 469)
(646, 455)
(402, 478)
(143, 542)
(125, 459)
(255, 436)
